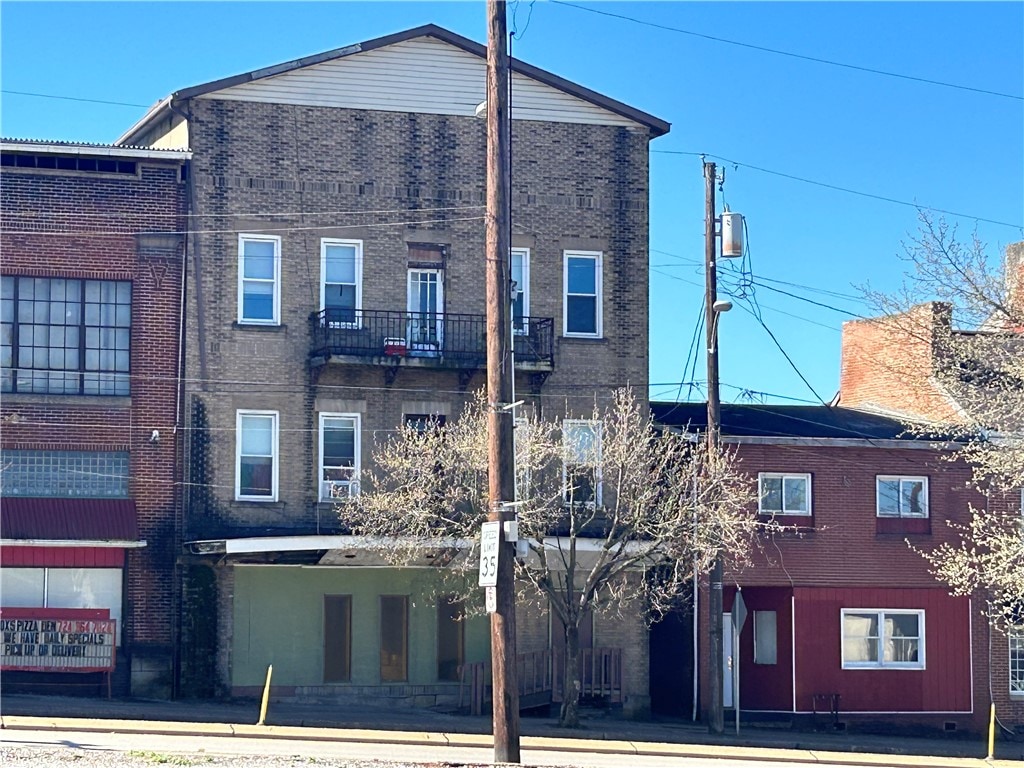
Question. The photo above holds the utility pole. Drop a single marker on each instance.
(716, 713)
(501, 477)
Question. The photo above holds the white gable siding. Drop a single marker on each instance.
(422, 75)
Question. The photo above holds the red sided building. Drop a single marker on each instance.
(92, 245)
(843, 622)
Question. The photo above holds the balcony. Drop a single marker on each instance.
(422, 339)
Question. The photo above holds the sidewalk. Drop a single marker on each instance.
(600, 733)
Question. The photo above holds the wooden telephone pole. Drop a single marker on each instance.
(716, 711)
(501, 473)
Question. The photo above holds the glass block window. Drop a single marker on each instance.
(102, 474)
(65, 337)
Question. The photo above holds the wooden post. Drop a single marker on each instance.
(716, 712)
(501, 479)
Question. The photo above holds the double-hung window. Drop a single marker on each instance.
(256, 456)
(582, 309)
(1017, 662)
(521, 295)
(259, 279)
(784, 494)
(341, 281)
(882, 639)
(900, 496)
(339, 455)
(581, 462)
(65, 337)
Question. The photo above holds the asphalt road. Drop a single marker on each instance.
(127, 750)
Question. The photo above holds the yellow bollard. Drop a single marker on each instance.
(266, 696)
(991, 731)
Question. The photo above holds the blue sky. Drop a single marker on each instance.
(911, 141)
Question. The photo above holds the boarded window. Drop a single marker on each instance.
(337, 638)
(766, 650)
(451, 638)
(394, 638)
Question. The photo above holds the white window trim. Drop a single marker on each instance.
(598, 481)
(598, 257)
(524, 290)
(274, 456)
(325, 242)
(276, 240)
(762, 476)
(1018, 633)
(913, 478)
(354, 482)
(881, 663)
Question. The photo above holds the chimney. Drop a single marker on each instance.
(1013, 269)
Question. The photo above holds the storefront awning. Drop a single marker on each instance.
(63, 522)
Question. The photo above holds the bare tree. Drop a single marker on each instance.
(614, 516)
(959, 360)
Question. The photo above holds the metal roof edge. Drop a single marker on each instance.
(162, 105)
(57, 148)
(90, 543)
(844, 442)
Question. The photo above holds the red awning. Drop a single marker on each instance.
(70, 520)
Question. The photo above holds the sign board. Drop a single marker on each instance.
(490, 544)
(491, 599)
(739, 612)
(63, 640)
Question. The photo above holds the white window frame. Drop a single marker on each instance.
(760, 620)
(352, 485)
(1015, 637)
(598, 259)
(879, 479)
(568, 424)
(325, 243)
(882, 663)
(242, 280)
(783, 476)
(274, 455)
(524, 254)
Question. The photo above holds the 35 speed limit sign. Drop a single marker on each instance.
(490, 539)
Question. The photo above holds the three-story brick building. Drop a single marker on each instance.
(92, 243)
(335, 291)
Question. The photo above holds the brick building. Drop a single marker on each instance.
(92, 258)
(842, 614)
(335, 291)
(924, 387)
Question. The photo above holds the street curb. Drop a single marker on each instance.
(546, 743)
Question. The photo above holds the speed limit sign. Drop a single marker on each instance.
(490, 538)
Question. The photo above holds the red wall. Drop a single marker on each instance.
(943, 686)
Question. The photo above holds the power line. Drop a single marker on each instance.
(73, 98)
(790, 54)
(837, 188)
(75, 215)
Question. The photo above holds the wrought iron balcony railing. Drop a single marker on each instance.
(447, 340)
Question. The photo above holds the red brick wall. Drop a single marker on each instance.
(887, 363)
(87, 225)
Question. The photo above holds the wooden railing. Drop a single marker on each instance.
(534, 675)
(540, 679)
(600, 675)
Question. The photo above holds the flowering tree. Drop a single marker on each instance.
(613, 513)
(973, 337)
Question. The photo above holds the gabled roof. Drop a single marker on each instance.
(786, 421)
(657, 126)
